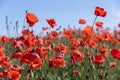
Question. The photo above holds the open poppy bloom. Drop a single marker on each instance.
(103, 51)
(100, 37)
(88, 32)
(51, 22)
(99, 59)
(99, 24)
(14, 75)
(5, 72)
(56, 62)
(17, 55)
(31, 19)
(15, 68)
(36, 64)
(4, 39)
(100, 12)
(5, 61)
(115, 52)
(29, 55)
(76, 56)
(25, 32)
(92, 43)
(42, 51)
(68, 34)
(82, 21)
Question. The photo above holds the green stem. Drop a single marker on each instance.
(47, 73)
(94, 21)
(32, 75)
(28, 31)
(69, 68)
(17, 28)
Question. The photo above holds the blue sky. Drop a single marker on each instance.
(63, 11)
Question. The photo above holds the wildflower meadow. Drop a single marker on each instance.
(72, 53)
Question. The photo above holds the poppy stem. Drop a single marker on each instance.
(94, 21)
(7, 27)
(17, 28)
(47, 73)
(69, 68)
(28, 31)
(28, 26)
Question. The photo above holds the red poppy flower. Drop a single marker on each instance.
(14, 75)
(68, 34)
(60, 55)
(1, 74)
(42, 51)
(88, 53)
(103, 51)
(62, 48)
(25, 32)
(118, 56)
(98, 59)
(4, 39)
(2, 52)
(56, 62)
(92, 43)
(48, 42)
(100, 37)
(5, 61)
(108, 36)
(36, 64)
(6, 64)
(17, 55)
(31, 19)
(72, 60)
(88, 32)
(15, 68)
(76, 72)
(30, 57)
(82, 21)
(76, 56)
(18, 44)
(99, 24)
(51, 22)
(100, 12)
(114, 52)
(113, 64)
(54, 34)
(5, 72)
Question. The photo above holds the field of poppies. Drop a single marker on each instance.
(69, 54)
